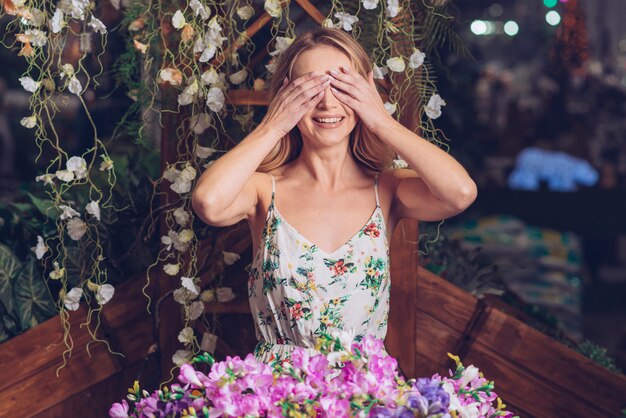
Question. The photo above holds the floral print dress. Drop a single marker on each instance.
(297, 290)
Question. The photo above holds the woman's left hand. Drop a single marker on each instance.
(360, 95)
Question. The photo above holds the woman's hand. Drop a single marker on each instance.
(360, 95)
(293, 100)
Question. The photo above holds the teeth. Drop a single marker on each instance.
(328, 120)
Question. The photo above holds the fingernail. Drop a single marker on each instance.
(334, 72)
(346, 69)
(324, 77)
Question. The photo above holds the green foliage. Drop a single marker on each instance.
(32, 297)
(9, 269)
(598, 354)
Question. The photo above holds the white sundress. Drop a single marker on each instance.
(297, 290)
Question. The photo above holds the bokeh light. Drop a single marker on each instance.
(553, 17)
(511, 28)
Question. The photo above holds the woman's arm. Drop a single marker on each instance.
(227, 190)
(437, 187)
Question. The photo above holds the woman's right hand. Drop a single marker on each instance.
(293, 100)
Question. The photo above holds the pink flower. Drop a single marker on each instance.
(119, 410)
(188, 375)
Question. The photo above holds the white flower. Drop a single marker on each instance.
(178, 20)
(37, 37)
(327, 23)
(78, 166)
(215, 99)
(209, 341)
(57, 273)
(370, 4)
(396, 64)
(181, 357)
(185, 99)
(171, 76)
(189, 94)
(194, 310)
(210, 76)
(214, 34)
(346, 20)
(185, 336)
(282, 43)
(171, 269)
(75, 86)
(29, 122)
(65, 175)
(207, 295)
(245, 12)
(173, 238)
(393, 8)
(182, 295)
(185, 236)
(67, 70)
(271, 66)
(97, 25)
(106, 164)
(204, 152)
(199, 123)
(72, 299)
(41, 248)
(238, 77)
(188, 284)
(57, 23)
(433, 108)
(76, 8)
(230, 258)
(400, 163)
(224, 294)
(199, 9)
(379, 72)
(104, 293)
(67, 212)
(417, 58)
(46, 178)
(208, 53)
(76, 228)
(37, 18)
(182, 184)
(345, 336)
(390, 108)
(272, 7)
(181, 216)
(29, 84)
(93, 208)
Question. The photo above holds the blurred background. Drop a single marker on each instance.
(535, 112)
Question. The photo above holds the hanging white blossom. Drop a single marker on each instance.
(209, 342)
(400, 163)
(187, 283)
(181, 216)
(72, 299)
(37, 37)
(46, 178)
(224, 294)
(65, 175)
(396, 64)
(370, 4)
(272, 7)
(328, 23)
(173, 238)
(182, 295)
(346, 20)
(67, 212)
(185, 335)
(78, 166)
(271, 66)
(181, 357)
(104, 293)
(97, 25)
(29, 84)
(75, 8)
(282, 43)
(379, 72)
(210, 76)
(207, 296)
(41, 248)
(199, 9)
(29, 122)
(170, 75)
(417, 58)
(178, 20)
(106, 164)
(93, 208)
(215, 99)
(390, 108)
(245, 12)
(76, 228)
(238, 77)
(230, 258)
(57, 273)
(171, 269)
(200, 122)
(194, 310)
(204, 152)
(393, 8)
(57, 22)
(37, 18)
(433, 108)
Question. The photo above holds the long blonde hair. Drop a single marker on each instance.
(367, 150)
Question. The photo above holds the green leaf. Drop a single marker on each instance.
(9, 269)
(32, 296)
(74, 265)
(45, 206)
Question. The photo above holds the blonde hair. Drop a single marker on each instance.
(366, 149)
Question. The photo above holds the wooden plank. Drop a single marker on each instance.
(531, 394)
(444, 301)
(554, 362)
(44, 387)
(434, 340)
(237, 305)
(312, 11)
(128, 302)
(41, 347)
(400, 339)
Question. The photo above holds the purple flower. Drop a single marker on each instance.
(381, 412)
(119, 410)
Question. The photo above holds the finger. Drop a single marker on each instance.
(307, 90)
(345, 87)
(370, 78)
(314, 100)
(302, 79)
(344, 77)
(344, 97)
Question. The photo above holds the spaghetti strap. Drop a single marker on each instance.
(376, 189)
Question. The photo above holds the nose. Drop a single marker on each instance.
(328, 100)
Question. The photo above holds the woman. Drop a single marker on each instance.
(315, 170)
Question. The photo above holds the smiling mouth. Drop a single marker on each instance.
(329, 121)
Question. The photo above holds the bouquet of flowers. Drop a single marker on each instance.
(345, 379)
